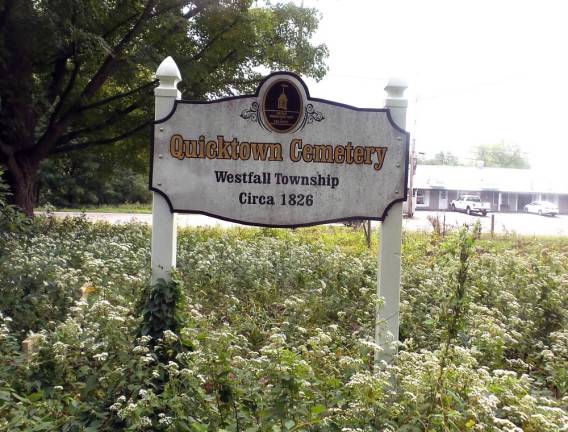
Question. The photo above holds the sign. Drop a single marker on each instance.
(279, 158)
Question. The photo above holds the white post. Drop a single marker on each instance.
(164, 225)
(388, 286)
(499, 202)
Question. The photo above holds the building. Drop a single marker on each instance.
(507, 189)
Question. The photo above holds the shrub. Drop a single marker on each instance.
(272, 330)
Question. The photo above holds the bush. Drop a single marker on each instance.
(273, 331)
(12, 220)
(85, 179)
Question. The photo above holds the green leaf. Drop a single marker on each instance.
(36, 396)
(318, 409)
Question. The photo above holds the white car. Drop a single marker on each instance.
(542, 208)
(470, 204)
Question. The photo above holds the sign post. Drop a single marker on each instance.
(280, 158)
(164, 226)
(388, 286)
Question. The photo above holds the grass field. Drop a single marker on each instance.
(121, 208)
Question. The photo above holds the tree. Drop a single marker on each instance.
(83, 178)
(501, 155)
(441, 158)
(77, 74)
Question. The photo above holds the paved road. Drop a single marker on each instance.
(527, 224)
(520, 223)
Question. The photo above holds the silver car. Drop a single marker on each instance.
(542, 208)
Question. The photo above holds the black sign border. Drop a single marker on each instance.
(309, 99)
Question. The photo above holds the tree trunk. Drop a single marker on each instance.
(17, 104)
(21, 175)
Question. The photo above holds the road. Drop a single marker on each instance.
(526, 224)
(519, 223)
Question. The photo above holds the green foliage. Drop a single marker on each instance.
(12, 220)
(159, 312)
(501, 155)
(84, 79)
(83, 179)
(272, 330)
(43, 274)
(440, 158)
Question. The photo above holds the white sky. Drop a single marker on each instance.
(479, 72)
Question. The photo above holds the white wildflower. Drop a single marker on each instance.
(143, 340)
(59, 348)
(170, 336)
(278, 338)
(147, 359)
(127, 411)
(145, 422)
(173, 368)
(166, 421)
(101, 357)
(186, 373)
(140, 349)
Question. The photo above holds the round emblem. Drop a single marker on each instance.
(282, 106)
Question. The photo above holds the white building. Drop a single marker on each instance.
(507, 189)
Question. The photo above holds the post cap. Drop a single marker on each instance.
(168, 73)
(396, 87)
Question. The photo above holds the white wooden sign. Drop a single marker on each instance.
(279, 158)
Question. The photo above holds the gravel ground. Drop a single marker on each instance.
(519, 223)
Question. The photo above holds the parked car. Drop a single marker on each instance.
(542, 208)
(471, 204)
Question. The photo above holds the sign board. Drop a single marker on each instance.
(279, 158)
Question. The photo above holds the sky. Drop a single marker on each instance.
(478, 72)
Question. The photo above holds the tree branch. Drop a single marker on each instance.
(228, 56)
(59, 73)
(105, 70)
(79, 146)
(56, 127)
(109, 121)
(118, 25)
(115, 97)
(215, 38)
(255, 81)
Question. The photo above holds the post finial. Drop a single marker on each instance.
(169, 75)
(396, 101)
(395, 88)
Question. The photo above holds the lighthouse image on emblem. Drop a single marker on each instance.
(282, 106)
